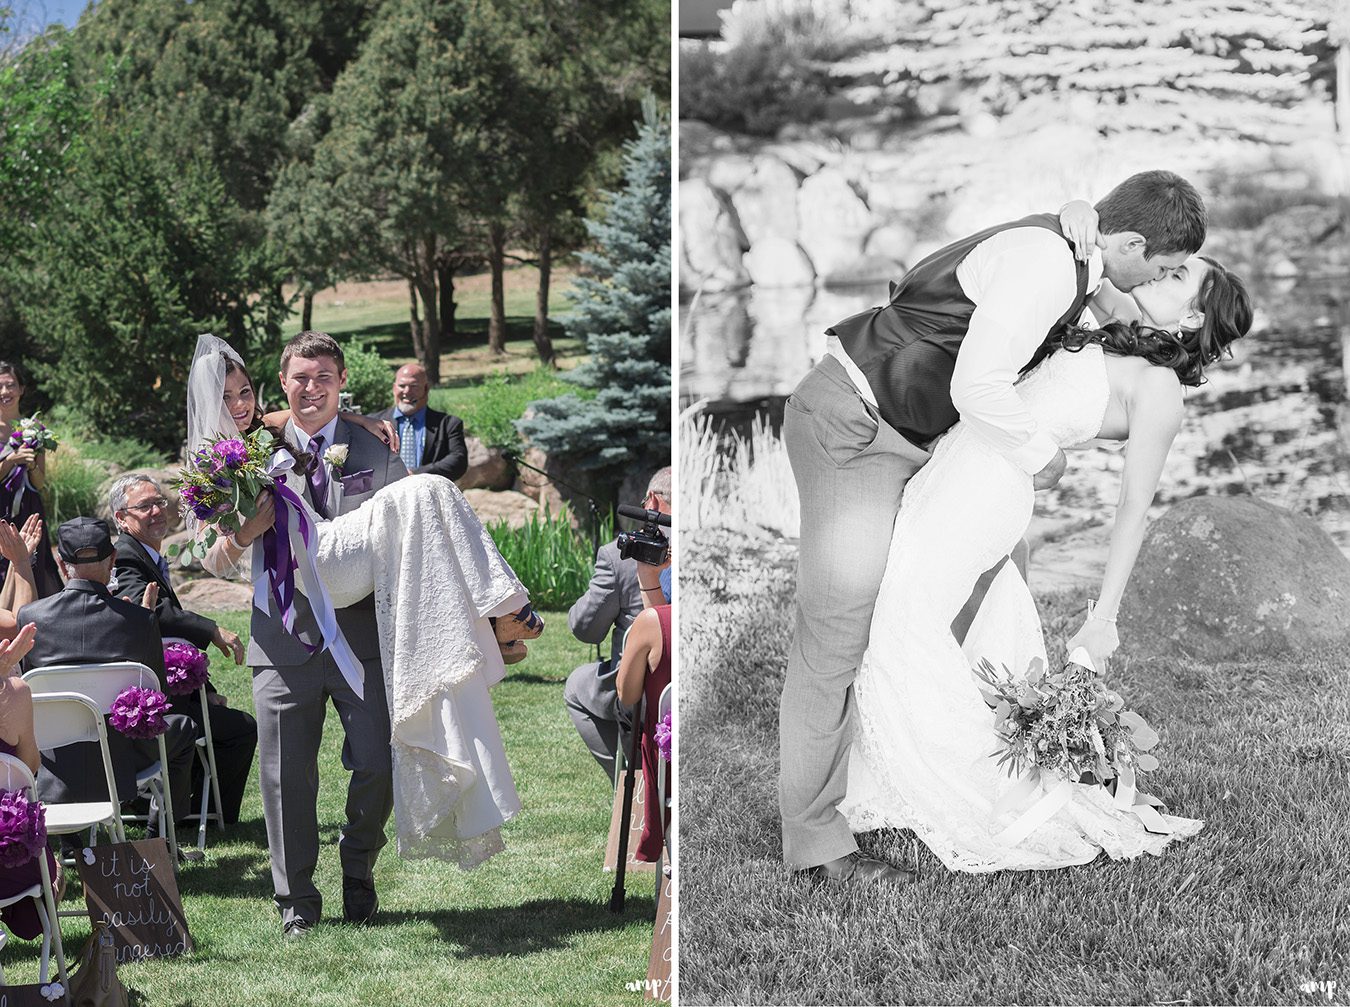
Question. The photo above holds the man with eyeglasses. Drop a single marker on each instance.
(140, 511)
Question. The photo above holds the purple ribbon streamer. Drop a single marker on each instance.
(278, 560)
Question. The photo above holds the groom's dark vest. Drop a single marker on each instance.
(906, 349)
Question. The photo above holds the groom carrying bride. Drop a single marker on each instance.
(948, 346)
(292, 686)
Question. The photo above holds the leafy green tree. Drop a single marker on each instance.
(408, 139)
(135, 257)
(588, 64)
(621, 307)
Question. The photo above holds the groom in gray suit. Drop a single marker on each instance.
(291, 686)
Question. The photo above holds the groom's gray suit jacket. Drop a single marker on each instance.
(269, 642)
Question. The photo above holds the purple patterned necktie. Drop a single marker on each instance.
(318, 477)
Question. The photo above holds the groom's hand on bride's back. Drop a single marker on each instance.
(1053, 471)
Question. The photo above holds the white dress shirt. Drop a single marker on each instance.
(1021, 280)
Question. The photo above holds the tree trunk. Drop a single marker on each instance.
(542, 342)
(307, 311)
(445, 275)
(431, 320)
(415, 323)
(497, 262)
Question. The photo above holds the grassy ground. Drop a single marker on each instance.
(1252, 911)
(532, 926)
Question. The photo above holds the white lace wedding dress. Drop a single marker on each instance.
(921, 758)
(436, 576)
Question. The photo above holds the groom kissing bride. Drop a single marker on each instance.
(917, 444)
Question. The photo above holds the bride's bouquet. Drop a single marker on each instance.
(1065, 723)
(220, 484)
(1061, 728)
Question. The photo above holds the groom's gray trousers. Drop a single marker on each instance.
(291, 705)
(851, 469)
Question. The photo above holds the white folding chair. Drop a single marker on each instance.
(15, 775)
(102, 683)
(206, 755)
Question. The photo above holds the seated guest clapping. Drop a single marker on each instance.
(140, 510)
(429, 440)
(16, 738)
(85, 624)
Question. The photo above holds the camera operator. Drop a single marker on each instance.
(620, 588)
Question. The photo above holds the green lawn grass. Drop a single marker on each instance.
(1248, 912)
(380, 318)
(532, 926)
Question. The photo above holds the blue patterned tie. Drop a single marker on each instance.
(318, 477)
(407, 442)
(164, 568)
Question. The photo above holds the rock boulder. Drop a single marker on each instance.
(488, 469)
(1223, 576)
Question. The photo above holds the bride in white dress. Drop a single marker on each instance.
(922, 756)
(438, 580)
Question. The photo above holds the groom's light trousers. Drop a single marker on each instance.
(291, 704)
(851, 468)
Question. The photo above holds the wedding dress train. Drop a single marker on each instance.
(922, 756)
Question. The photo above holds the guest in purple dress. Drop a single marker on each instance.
(24, 487)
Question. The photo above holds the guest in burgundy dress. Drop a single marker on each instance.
(644, 673)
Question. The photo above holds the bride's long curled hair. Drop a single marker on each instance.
(1226, 305)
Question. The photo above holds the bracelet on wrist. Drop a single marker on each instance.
(657, 588)
(1092, 613)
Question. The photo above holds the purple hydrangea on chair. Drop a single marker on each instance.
(23, 828)
(185, 668)
(139, 713)
(664, 734)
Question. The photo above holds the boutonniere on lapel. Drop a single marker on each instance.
(336, 457)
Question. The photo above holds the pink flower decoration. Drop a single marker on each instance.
(185, 668)
(139, 713)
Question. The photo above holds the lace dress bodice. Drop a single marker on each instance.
(1068, 394)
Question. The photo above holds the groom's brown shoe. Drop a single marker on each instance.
(857, 869)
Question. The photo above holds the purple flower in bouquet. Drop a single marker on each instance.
(232, 452)
(665, 734)
(185, 668)
(139, 713)
(23, 828)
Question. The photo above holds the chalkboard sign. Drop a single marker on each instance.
(131, 889)
(658, 962)
(634, 829)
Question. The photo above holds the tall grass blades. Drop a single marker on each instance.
(549, 557)
(735, 482)
(72, 488)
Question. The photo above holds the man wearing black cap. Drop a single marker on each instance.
(85, 624)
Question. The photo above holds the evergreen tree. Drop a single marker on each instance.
(621, 308)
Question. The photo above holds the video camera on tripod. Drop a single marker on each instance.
(647, 544)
